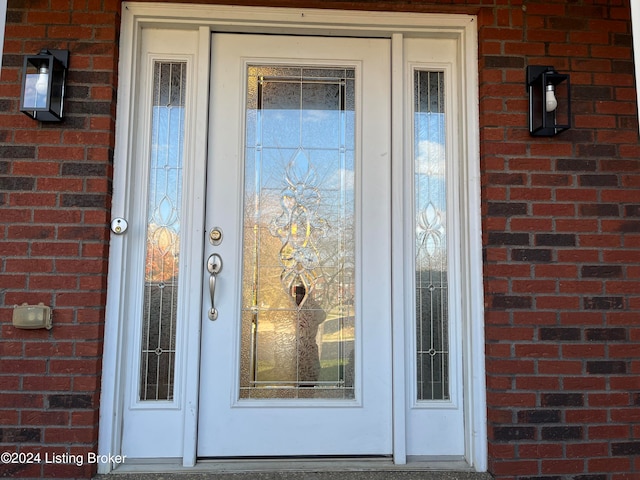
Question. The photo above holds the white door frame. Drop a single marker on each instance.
(199, 21)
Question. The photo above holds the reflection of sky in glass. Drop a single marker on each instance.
(317, 116)
(429, 172)
(166, 170)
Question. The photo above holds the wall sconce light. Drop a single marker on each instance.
(43, 82)
(549, 101)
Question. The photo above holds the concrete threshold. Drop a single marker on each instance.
(299, 469)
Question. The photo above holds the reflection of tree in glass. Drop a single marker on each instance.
(163, 247)
(310, 316)
(159, 313)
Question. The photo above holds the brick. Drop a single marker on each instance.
(558, 367)
(583, 383)
(496, 238)
(561, 433)
(562, 399)
(513, 434)
(38, 232)
(38, 417)
(70, 401)
(580, 286)
(506, 179)
(606, 241)
(601, 271)
(554, 209)
(531, 255)
(569, 466)
(576, 165)
(23, 366)
(550, 180)
(560, 302)
(627, 415)
(70, 435)
(507, 208)
(532, 382)
(632, 210)
(19, 435)
(539, 286)
(630, 226)
(17, 183)
(511, 301)
(608, 465)
(35, 168)
(48, 383)
(517, 467)
(606, 334)
(560, 333)
(598, 180)
(528, 224)
(83, 200)
(60, 152)
(600, 210)
(540, 450)
(625, 448)
(603, 303)
(539, 416)
(17, 151)
(589, 350)
(604, 367)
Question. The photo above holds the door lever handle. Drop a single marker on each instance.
(214, 265)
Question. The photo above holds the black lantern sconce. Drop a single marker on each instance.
(549, 101)
(43, 83)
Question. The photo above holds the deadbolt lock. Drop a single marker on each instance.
(215, 236)
(119, 226)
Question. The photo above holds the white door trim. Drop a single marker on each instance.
(201, 20)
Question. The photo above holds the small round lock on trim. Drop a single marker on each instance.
(119, 226)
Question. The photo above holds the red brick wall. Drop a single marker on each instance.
(55, 184)
(561, 226)
(562, 245)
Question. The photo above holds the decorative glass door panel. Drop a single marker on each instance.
(157, 369)
(298, 328)
(431, 240)
(298, 361)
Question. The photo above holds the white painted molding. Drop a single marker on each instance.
(635, 24)
(3, 19)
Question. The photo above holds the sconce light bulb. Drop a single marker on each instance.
(42, 84)
(551, 103)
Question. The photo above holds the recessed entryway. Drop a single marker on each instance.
(301, 271)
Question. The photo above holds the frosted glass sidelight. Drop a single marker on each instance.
(163, 232)
(432, 319)
(298, 286)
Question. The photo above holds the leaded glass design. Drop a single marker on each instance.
(163, 232)
(432, 318)
(298, 309)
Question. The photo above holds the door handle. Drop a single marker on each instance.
(214, 265)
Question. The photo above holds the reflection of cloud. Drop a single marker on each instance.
(315, 115)
(340, 178)
(430, 158)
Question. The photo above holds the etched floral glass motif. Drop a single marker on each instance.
(163, 232)
(432, 325)
(299, 247)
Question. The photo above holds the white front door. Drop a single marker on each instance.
(298, 358)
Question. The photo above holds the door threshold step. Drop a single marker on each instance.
(390, 474)
(298, 469)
